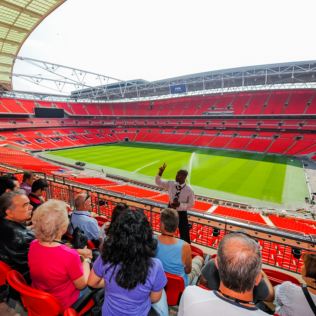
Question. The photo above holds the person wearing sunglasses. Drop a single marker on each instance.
(81, 217)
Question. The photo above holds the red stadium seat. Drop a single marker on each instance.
(70, 312)
(174, 288)
(278, 277)
(196, 251)
(36, 302)
(39, 303)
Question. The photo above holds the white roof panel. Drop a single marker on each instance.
(18, 18)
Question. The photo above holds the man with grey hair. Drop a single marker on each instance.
(15, 237)
(81, 217)
(239, 265)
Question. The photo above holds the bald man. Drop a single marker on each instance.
(81, 217)
(239, 265)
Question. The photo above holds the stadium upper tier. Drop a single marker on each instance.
(263, 103)
(281, 122)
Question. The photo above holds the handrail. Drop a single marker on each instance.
(207, 229)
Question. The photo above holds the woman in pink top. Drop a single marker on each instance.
(54, 267)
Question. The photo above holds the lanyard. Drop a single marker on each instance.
(236, 300)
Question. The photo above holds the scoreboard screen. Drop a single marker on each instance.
(49, 113)
(178, 88)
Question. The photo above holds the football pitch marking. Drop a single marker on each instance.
(190, 166)
(148, 165)
(244, 177)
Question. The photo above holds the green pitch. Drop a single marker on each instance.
(217, 173)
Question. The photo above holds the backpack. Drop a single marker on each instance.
(80, 240)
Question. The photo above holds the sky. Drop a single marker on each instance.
(152, 40)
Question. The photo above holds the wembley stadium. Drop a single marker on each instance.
(246, 136)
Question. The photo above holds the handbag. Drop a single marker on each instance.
(80, 240)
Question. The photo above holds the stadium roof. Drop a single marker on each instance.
(18, 18)
(291, 75)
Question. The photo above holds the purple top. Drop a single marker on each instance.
(27, 188)
(119, 301)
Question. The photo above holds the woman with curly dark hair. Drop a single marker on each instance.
(132, 277)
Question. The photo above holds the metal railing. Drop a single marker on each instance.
(280, 248)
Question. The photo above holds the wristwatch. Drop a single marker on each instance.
(83, 259)
(87, 260)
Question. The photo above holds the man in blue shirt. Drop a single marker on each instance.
(81, 217)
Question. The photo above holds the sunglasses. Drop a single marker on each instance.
(87, 198)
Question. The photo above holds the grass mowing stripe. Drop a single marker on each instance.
(255, 176)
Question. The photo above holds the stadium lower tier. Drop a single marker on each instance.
(24, 161)
(285, 143)
(282, 245)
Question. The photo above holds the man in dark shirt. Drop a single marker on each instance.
(36, 196)
(15, 237)
(6, 184)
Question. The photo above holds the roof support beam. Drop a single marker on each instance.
(6, 41)
(5, 65)
(6, 73)
(14, 27)
(20, 9)
(8, 55)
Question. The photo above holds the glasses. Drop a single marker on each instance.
(87, 198)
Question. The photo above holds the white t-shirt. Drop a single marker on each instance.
(196, 301)
(291, 301)
(186, 196)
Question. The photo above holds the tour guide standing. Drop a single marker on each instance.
(181, 198)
